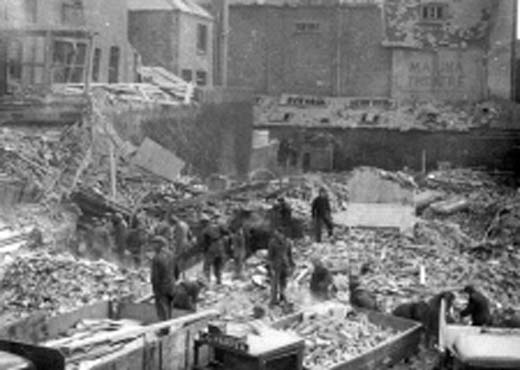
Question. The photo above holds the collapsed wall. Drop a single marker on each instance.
(209, 138)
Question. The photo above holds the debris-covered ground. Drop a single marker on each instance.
(467, 233)
(57, 283)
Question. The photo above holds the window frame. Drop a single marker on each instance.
(71, 68)
(190, 75)
(307, 27)
(201, 74)
(202, 46)
(435, 7)
(74, 5)
(96, 64)
(111, 67)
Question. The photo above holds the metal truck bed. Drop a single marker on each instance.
(137, 342)
(388, 353)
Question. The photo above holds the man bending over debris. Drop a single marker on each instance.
(162, 278)
(321, 214)
(280, 265)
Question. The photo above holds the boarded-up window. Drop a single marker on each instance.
(187, 75)
(72, 12)
(434, 12)
(69, 61)
(113, 65)
(202, 78)
(96, 65)
(30, 10)
(202, 38)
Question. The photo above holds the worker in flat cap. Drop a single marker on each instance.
(163, 277)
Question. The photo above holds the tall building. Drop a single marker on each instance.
(403, 49)
(174, 34)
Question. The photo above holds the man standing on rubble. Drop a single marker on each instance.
(162, 277)
(182, 238)
(213, 248)
(282, 216)
(281, 265)
(321, 214)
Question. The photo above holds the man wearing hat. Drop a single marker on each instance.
(162, 278)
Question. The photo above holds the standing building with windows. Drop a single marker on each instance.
(401, 49)
(46, 42)
(174, 34)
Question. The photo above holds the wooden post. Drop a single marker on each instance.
(113, 171)
(423, 162)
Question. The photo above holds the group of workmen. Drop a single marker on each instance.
(218, 243)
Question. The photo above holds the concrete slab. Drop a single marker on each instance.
(375, 215)
(368, 185)
(158, 160)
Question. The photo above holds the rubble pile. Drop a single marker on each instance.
(42, 159)
(330, 341)
(59, 283)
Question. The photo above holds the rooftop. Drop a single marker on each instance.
(185, 6)
(376, 113)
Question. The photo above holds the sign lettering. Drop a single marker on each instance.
(422, 75)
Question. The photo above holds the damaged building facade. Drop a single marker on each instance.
(46, 42)
(415, 74)
(176, 35)
(397, 48)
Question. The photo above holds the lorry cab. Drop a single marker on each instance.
(474, 348)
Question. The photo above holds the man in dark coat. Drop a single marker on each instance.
(321, 214)
(163, 279)
(280, 265)
(213, 248)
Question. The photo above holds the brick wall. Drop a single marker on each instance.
(151, 32)
(268, 52)
(501, 38)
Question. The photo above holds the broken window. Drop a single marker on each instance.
(30, 10)
(304, 27)
(202, 77)
(113, 65)
(187, 75)
(14, 60)
(69, 61)
(202, 38)
(96, 65)
(72, 12)
(434, 12)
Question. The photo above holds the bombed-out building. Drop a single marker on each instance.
(395, 83)
(174, 34)
(64, 41)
